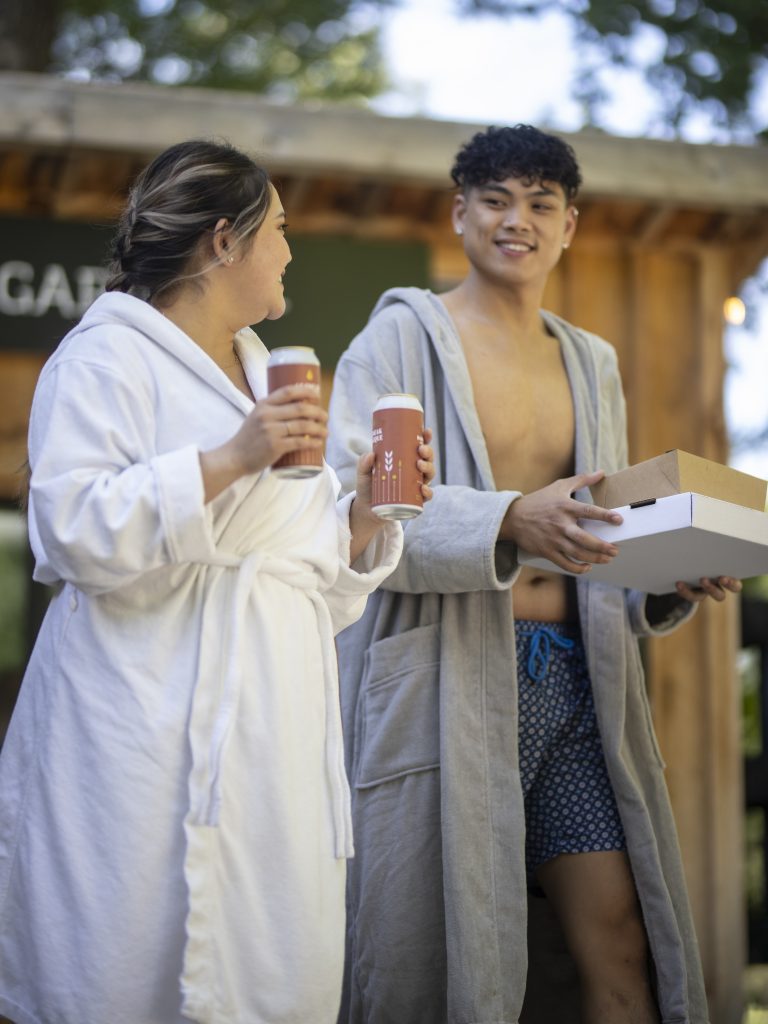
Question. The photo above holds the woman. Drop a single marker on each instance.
(174, 814)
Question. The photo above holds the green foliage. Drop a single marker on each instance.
(290, 49)
(707, 54)
(697, 54)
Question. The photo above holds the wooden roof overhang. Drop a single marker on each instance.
(69, 150)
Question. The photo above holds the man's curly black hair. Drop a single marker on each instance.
(521, 152)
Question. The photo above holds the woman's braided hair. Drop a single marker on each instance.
(174, 202)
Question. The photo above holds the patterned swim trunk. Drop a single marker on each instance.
(569, 802)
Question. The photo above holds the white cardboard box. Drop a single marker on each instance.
(680, 537)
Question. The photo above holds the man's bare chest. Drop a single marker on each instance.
(525, 408)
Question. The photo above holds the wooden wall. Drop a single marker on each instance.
(18, 377)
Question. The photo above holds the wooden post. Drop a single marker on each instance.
(18, 375)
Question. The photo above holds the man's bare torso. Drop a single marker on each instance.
(525, 408)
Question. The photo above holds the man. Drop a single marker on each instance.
(498, 733)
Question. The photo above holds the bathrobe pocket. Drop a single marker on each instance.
(399, 708)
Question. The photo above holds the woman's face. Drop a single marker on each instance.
(257, 274)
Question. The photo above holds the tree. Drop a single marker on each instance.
(26, 35)
(709, 53)
(706, 54)
(291, 49)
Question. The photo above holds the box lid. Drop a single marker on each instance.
(678, 537)
(676, 472)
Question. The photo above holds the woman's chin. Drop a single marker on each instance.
(276, 312)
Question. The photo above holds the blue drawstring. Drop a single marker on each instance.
(542, 639)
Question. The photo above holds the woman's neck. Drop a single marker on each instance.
(199, 320)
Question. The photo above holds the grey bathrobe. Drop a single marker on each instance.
(438, 901)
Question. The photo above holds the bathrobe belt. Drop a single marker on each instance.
(216, 698)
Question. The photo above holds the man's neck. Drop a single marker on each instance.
(515, 312)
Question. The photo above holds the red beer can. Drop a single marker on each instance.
(295, 364)
(398, 430)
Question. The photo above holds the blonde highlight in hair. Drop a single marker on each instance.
(175, 202)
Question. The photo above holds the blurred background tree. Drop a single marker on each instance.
(289, 49)
(696, 54)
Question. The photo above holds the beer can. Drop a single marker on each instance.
(295, 364)
(398, 430)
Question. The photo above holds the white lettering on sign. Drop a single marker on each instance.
(55, 291)
(21, 296)
(17, 297)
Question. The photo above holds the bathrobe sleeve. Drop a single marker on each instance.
(649, 615)
(105, 507)
(347, 597)
(452, 547)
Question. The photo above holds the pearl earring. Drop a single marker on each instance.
(230, 259)
(565, 245)
(459, 231)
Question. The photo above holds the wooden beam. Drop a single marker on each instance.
(653, 225)
(44, 110)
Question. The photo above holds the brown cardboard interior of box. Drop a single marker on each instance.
(675, 472)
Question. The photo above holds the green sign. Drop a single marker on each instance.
(51, 271)
(331, 286)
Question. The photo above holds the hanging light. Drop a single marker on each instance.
(734, 311)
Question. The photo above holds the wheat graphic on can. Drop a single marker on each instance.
(398, 430)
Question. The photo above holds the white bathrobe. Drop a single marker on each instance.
(174, 814)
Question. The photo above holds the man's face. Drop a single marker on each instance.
(515, 231)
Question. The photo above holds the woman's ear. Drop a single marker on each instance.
(222, 241)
